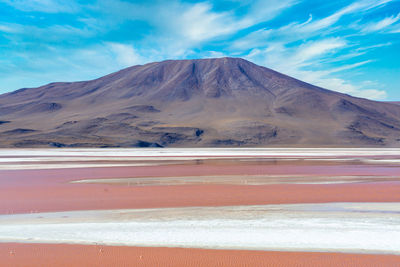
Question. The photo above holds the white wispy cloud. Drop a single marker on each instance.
(67, 64)
(125, 54)
(380, 25)
(265, 10)
(47, 6)
(308, 54)
(350, 66)
(307, 29)
(197, 23)
(254, 39)
(304, 62)
(178, 27)
(312, 60)
(313, 49)
(21, 33)
(7, 29)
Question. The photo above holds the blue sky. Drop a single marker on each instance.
(347, 46)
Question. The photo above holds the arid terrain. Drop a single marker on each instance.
(203, 207)
(222, 102)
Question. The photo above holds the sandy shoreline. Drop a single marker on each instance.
(43, 255)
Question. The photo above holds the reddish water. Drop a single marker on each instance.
(49, 190)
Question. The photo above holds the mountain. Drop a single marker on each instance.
(202, 102)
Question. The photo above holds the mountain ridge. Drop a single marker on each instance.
(200, 102)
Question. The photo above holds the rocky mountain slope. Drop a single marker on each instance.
(204, 102)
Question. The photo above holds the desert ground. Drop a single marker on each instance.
(200, 207)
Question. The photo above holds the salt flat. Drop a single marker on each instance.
(343, 227)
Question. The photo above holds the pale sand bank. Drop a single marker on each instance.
(238, 180)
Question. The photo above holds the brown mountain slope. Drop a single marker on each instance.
(205, 102)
